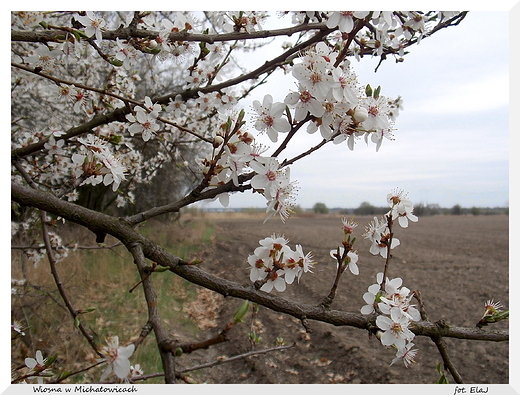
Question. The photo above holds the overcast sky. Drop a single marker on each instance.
(451, 141)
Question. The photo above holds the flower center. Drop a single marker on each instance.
(315, 77)
(373, 110)
(268, 120)
(271, 175)
(305, 97)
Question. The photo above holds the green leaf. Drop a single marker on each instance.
(116, 62)
(368, 90)
(50, 360)
(377, 92)
(81, 33)
(241, 312)
(77, 36)
(115, 139)
(153, 51)
(442, 379)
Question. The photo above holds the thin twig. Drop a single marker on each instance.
(341, 268)
(388, 249)
(145, 331)
(443, 350)
(153, 312)
(61, 289)
(234, 358)
(66, 376)
(212, 363)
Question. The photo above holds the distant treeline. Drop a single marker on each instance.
(420, 210)
(365, 208)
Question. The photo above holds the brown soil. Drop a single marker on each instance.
(456, 262)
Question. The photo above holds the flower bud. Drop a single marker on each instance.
(360, 114)
(217, 141)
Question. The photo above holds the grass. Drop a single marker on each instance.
(102, 279)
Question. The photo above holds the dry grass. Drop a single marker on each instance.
(102, 279)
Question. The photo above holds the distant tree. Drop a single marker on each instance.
(434, 209)
(320, 208)
(475, 210)
(456, 210)
(365, 208)
(421, 210)
(297, 209)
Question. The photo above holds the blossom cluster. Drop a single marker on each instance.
(144, 120)
(237, 154)
(275, 264)
(388, 298)
(96, 163)
(36, 253)
(378, 231)
(331, 98)
(391, 301)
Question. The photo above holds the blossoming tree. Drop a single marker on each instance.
(107, 99)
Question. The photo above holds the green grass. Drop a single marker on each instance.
(102, 279)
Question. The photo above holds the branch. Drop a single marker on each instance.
(265, 68)
(291, 134)
(288, 162)
(187, 348)
(117, 115)
(129, 33)
(339, 271)
(153, 312)
(194, 196)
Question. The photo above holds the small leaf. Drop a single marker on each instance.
(50, 360)
(116, 62)
(81, 33)
(64, 375)
(377, 92)
(368, 90)
(241, 312)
